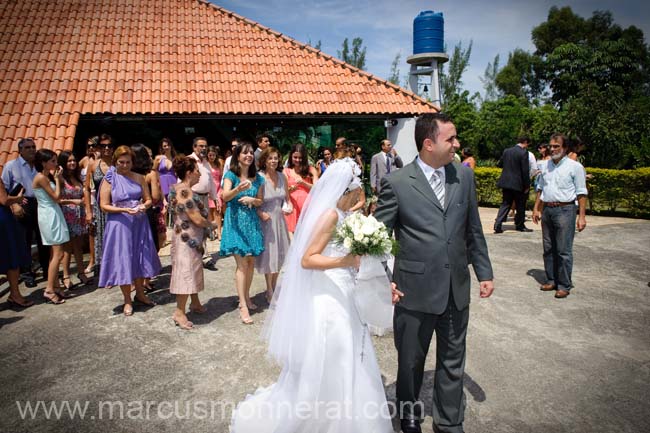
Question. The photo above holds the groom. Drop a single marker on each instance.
(431, 206)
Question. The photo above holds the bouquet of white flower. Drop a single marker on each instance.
(367, 237)
(364, 235)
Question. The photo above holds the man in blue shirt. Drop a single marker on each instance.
(558, 187)
(21, 171)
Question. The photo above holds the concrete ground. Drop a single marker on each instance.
(534, 363)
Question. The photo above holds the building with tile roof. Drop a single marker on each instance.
(67, 61)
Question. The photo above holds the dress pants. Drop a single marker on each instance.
(413, 333)
(519, 197)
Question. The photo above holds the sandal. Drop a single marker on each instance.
(252, 306)
(15, 303)
(269, 297)
(89, 269)
(245, 319)
(187, 325)
(84, 278)
(148, 301)
(53, 297)
(68, 286)
(128, 310)
(198, 310)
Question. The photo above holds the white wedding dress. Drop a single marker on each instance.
(338, 387)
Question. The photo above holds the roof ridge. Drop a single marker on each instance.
(317, 52)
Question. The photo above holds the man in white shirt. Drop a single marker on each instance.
(226, 165)
(557, 189)
(21, 171)
(205, 188)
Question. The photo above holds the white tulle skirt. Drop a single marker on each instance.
(338, 387)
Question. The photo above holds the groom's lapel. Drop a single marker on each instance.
(452, 182)
(420, 184)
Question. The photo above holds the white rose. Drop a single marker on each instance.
(347, 243)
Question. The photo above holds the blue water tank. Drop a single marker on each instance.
(429, 33)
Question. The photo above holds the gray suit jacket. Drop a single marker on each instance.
(436, 245)
(378, 168)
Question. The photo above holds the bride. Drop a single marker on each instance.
(330, 380)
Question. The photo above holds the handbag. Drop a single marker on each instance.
(287, 207)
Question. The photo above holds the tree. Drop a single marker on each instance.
(451, 81)
(317, 46)
(489, 80)
(520, 77)
(394, 69)
(355, 58)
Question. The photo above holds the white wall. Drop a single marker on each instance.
(402, 137)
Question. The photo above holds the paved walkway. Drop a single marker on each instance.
(534, 364)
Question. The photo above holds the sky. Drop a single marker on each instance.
(386, 26)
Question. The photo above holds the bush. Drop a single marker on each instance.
(611, 192)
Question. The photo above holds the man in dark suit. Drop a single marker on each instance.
(431, 205)
(383, 163)
(515, 184)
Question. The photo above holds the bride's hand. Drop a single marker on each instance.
(352, 261)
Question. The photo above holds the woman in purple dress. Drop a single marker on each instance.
(129, 254)
(163, 163)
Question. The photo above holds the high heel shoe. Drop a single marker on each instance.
(252, 306)
(198, 310)
(187, 325)
(84, 278)
(68, 286)
(128, 310)
(245, 318)
(15, 303)
(53, 297)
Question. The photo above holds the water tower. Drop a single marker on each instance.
(428, 53)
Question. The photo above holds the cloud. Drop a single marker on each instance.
(495, 27)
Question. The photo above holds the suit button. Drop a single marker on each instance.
(449, 242)
(447, 266)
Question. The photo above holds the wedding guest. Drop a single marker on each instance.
(51, 223)
(97, 169)
(129, 253)
(468, 158)
(215, 206)
(143, 165)
(20, 172)
(13, 249)
(92, 154)
(72, 192)
(274, 226)
(322, 164)
(300, 179)
(190, 226)
(164, 164)
(242, 234)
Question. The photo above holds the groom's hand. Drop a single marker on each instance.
(396, 294)
(486, 287)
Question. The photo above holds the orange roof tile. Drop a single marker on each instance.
(96, 56)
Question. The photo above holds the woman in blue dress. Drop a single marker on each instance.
(243, 191)
(51, 223)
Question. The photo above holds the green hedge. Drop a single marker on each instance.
(611, 192)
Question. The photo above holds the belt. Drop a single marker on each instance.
(558, 203)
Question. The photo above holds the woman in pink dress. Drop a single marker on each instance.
(215, 207)
(190, 228)
(300, 178)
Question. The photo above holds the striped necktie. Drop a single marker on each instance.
(438, 187)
